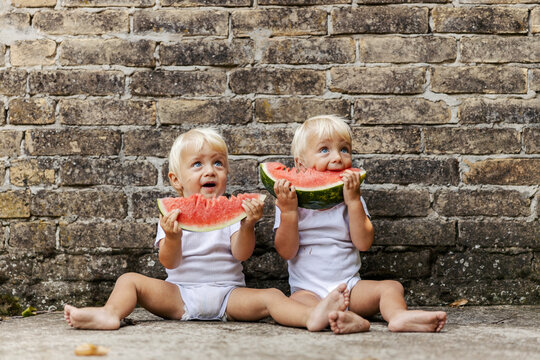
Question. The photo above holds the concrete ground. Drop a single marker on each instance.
(496, 332)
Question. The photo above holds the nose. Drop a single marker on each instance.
(209, 170)
(336, 156)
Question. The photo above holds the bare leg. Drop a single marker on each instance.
(157, 296)
(347, 322)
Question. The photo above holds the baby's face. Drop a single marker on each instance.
(332, 153)
(203, 171)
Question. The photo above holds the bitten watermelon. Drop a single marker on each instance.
(314, 189)
(198, 213)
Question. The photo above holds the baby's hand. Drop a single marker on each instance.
(169, 224)
(254, 211)
(351, 186)
(286, 199)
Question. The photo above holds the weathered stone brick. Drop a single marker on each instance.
(488, 49)
(14, 21)
(149, 142)
(381, 2)
(384, 265)
(2, 54)
(499, 234)
(144, 205)
(402, 203)
(531, 139)
(412, 171)
(119, 235)
(33, 52)
(246, 140)
(302, 2)
(30, 172)
(184, 22)
(293, 109)
(107, 112)
(219, 52)
(309, 51)
(479, 79)
(480, 20)
(397, 49)
(264, 234)
(503, 172)
(14, 204)
(278, 81)
(79, 22)
(33, 3)
(73, 142)
(80, 203)
(105, 3)
(12, 82)
(161, 83)
(400, 110)
(414, 232)
(222, 111)
(10, 142)
(513, 111)
(71, 82)
(35, 235)
(472, 141)
(2, 114)
(279, 22)
(150, 266)
(535, 20)
(108, 52)
(466, 202)
(243, 173)
(82, 267)
(379, 140)
(492, 2)
(482, 265)
(266, 266)
(81, 171)
(380, 20)
(535, 80)
(189, 3)
(32, 111)
(2, 175)
(379, 80)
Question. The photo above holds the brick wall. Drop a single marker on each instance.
(441, 97)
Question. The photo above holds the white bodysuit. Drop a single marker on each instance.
(326, 256)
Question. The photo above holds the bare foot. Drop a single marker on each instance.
(97, 318)
(418, 321)
(338, 299)
(347, 322)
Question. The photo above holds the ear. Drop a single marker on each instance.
(176, 184)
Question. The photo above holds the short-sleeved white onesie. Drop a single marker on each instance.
(326, 256)
(207, 273)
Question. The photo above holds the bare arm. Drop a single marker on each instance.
(170, 247)
(286, 240)
(243, 241)
(360, 226)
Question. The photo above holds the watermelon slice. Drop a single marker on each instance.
(201, 214)
(314, 189)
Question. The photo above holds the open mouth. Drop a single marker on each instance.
(209, 185)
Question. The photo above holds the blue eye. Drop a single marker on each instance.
(323, 150)
(218, 163)
(345, 150)
(197, 164)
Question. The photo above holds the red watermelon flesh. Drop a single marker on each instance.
(198, 213)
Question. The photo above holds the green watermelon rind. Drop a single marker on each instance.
(221, 225)
(317, 199)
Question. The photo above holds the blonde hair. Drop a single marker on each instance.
(320, 126)
(195, 139)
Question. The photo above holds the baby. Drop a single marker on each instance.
(322, 246)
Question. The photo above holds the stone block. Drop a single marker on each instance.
(111, 3)
(414, 232)
(531, 140)
(14, 20)
(106, 112)
(32, 172)
(489, 111)
(72, 82)
(139, 53)
(397, 49)
(149, 142)
(33, 52)
(243, 173)
(190, 3)
(33, 3)
(476, 141)
(498, 233)
(14, 204)
(247, 140)
(12, 82)
(382, 2)
(10, 142)
(31, 111)
(480, 20)
(534, 81)
(2, 54)
(266, 266)
(385, 265)
(377, 80)
(508, 171)
(383, 140)
(150, 266)
(79, 22)
(183, 22)
(309, 51)
(412, 171)
(380, 20)
(38, 236)
(294, 109)
(66, 267)
(144, 204)
(479, 79)
(264, 235)
(84, 171)
(535, 20)
(235, 111)
(479, 202)
(489, 49)
(2, 175)
(400, 110)
(176, 83)
(219, 52)
(80, 203)
(279, 22)
(278, 81)
(73, 142)
(399, 203)
(302, 2)
(116, 235)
